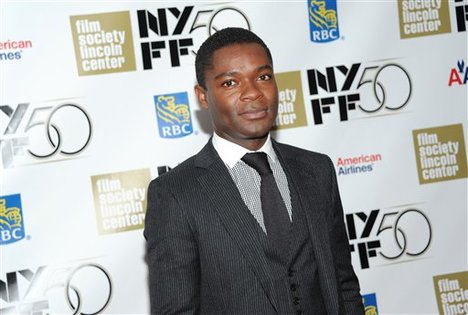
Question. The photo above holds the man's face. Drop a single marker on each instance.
(241, 94)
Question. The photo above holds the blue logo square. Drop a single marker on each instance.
(11, 219)
(173, 114)
(323, 20)
(370, 304)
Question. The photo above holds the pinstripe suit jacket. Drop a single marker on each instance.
(203, 253)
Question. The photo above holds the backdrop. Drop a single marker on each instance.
(97, 99)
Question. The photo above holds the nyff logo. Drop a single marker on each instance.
(373, 88)
(11, 219)
(80, 287)
(54, 129)
(173, 113)
(158, 24)
(461, 14)
(323, 21)
(390, 234)
(178, 32)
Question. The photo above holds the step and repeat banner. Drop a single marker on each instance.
(97, 99)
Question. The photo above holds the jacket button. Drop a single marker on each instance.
(290, 273)
(293, 287)
(299, 312)
(296, 300)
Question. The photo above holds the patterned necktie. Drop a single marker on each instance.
(275, 214)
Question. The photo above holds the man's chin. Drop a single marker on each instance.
(257, 136)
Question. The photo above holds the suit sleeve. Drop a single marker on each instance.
(172, 255)
(348, 281)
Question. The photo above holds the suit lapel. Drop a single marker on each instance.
(304, 182)
(219, 189)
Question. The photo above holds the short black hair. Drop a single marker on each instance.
(222, 38)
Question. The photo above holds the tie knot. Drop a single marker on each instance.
(258, 161)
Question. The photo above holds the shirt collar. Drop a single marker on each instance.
(231, 152)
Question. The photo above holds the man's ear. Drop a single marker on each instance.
(201, 95)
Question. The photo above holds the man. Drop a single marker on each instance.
(236, 233)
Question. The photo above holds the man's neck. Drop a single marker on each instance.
(231, 152)
(249, 144)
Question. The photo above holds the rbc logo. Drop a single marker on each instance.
(323, 21)
(173, 114)
(11, 219)
(370, 304)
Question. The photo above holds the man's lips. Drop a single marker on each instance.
(253, 114)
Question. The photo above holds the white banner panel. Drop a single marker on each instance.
(97, 99)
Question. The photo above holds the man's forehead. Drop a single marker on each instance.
(228, 54)
(238, 47)
(235, 72)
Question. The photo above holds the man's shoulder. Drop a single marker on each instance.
(185, 172)
(180, 172)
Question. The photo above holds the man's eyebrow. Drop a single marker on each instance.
(265, 67)
(233, 73)
(226, 74)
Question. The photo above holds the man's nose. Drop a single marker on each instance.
(250, 91)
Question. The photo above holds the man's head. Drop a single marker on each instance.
(237, 86)
(220, 39)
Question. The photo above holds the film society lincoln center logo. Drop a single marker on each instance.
(291, 111)
(103, 43)
(120, 200)
(423, 18)
(440, 153)
(11, 219)
(451, 292)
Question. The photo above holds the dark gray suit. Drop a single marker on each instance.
(205, 254)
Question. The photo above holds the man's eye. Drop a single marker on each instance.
(229, 83)
(264, 77)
